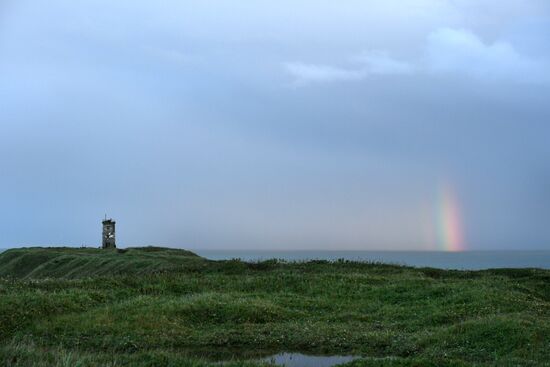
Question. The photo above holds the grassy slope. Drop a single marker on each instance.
(158, 307)
(67, 262)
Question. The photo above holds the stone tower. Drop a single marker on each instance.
(108, 233)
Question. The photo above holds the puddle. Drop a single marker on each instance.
(304, 360)
(222, 356)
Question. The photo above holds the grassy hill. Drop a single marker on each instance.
(163, 307)
(68, 262)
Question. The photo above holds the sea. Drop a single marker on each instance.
(466, 260)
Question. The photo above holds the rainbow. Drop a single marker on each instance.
(449, 229)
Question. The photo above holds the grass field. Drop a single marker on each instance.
(162, 307)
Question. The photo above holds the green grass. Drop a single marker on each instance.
(67, 262)
(156, 307)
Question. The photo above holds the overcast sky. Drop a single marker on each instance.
(275, 124)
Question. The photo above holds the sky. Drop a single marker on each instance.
(309, 124)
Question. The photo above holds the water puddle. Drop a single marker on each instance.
(222, 356)
(304, 360)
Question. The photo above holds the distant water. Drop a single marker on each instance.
(468, 260)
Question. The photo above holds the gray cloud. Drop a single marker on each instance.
(371, 63)
(458, 51)
(305, 73)
(449, 51)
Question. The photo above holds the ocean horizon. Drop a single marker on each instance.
(463, 260)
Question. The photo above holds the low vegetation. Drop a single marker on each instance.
(164, 307)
